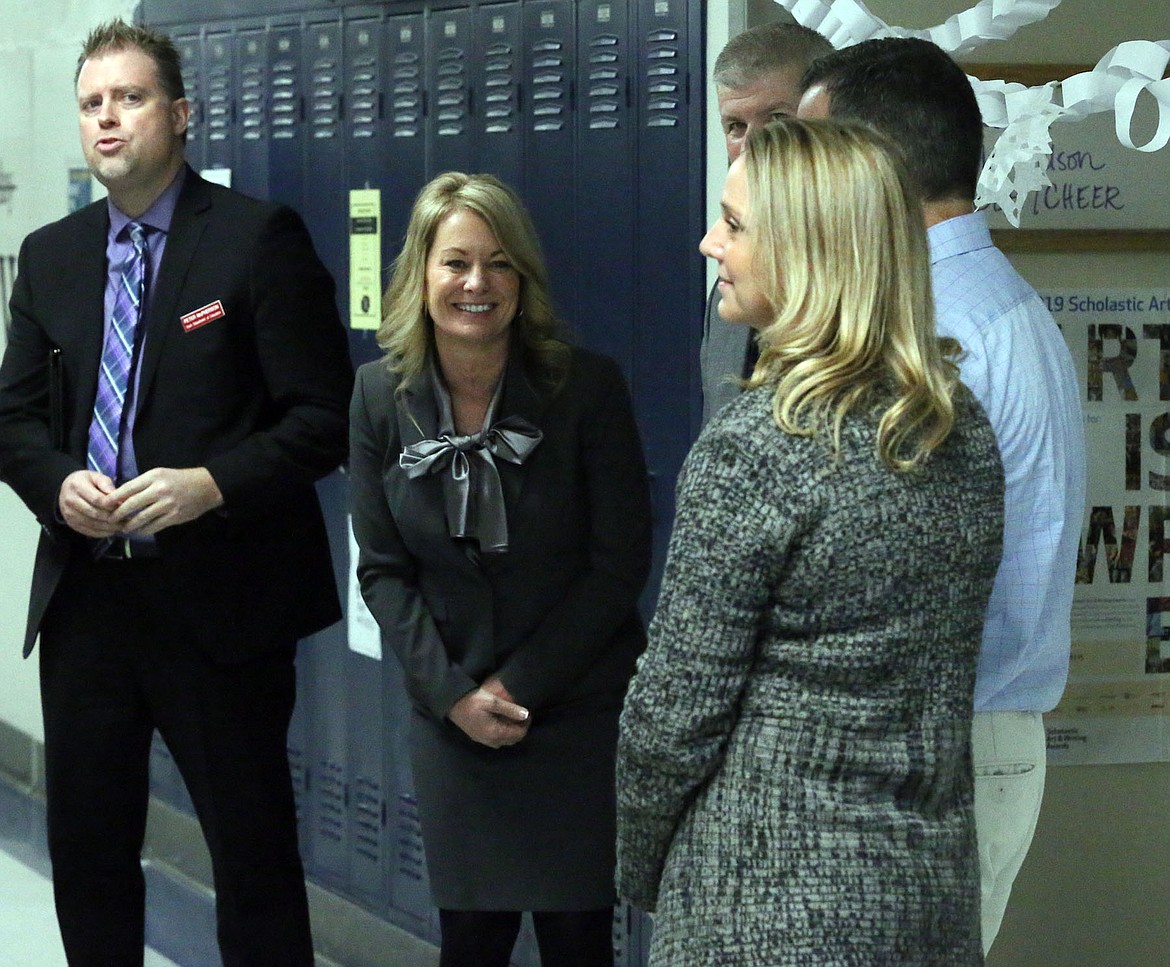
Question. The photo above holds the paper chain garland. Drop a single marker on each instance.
(1017, 163)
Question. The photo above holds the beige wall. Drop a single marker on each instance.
(38, 144)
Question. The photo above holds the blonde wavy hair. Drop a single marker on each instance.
(840, 251)
(407, 333)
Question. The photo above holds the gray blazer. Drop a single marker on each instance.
(556, 616)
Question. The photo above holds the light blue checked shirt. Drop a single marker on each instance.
(1017, 364)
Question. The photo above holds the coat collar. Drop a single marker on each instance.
(183, 239)
(84, 286)
(418, 418)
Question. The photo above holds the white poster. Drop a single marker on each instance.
(365, 258)
(1115, 706)
(362, 630)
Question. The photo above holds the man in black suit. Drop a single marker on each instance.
(183, 550)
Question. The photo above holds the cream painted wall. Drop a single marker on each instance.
(38, 144)
(20, 697)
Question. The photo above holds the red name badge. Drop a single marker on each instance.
(201, 317)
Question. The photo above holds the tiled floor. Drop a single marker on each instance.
(180, 914)
(28, 926)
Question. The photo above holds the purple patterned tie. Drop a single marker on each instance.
(105, 429)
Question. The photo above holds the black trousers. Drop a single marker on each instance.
(475, 938)
(114, 667)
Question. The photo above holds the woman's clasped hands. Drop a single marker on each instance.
(490, 716)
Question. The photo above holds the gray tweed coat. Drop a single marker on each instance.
(794, 774)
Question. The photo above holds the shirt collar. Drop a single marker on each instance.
(956, 236)
(158, 216)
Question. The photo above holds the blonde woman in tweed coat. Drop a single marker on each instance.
(794, 777)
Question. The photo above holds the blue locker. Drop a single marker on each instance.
(219, 74)
(365, 142)
(404, 169)
(165, 781)
(369, 784)
(410, 893)
(286, 129)
(496, 76)
(450, 135)
(189, 42)
(605, 182)
(251, 97)
(283, 177)
(289, 79)
(297, 745)
(548, 28)
(322, 658)
(670, 279)
(326, 205)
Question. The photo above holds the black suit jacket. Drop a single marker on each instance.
(258, 396)
(556, 615)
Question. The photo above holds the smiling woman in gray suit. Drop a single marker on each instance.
(501, 509)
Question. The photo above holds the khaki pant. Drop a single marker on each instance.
(1010, 759)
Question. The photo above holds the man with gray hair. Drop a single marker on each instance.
(757, 79)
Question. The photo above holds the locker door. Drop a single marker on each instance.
(405, 168)
(365, 148)
(218, 48)
(189, 42)
(325, 204)
(166, 783)
(496, 74)
(286, 151)
(325, 212)
(548, 128)
(321, 664)
(669, 226)
(250, 169)
(365, 80)
(297, 745)
(410, 891)
(369, 838)
(409, 133)
(450, 136)
(605, 181)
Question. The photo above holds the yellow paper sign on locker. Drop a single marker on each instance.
(365, 258)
